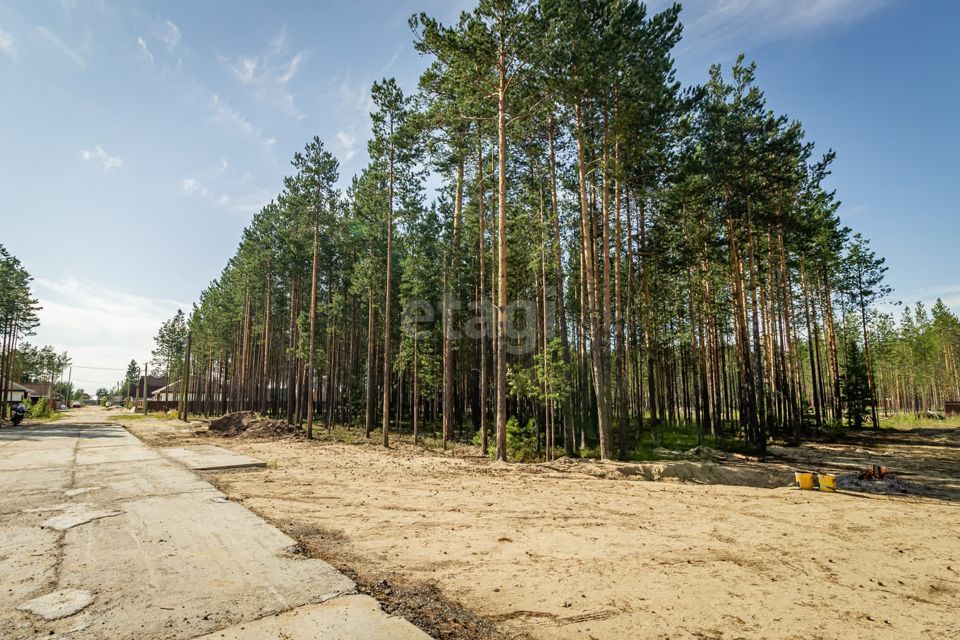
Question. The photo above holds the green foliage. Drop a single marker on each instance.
(856, 389)
(521, 440)
(132, 376)
(171, 342)
(40, 410)
(834, 430)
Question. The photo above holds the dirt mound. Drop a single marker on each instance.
(247, 424)
(688, 471)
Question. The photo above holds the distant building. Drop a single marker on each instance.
(153, 383)
(40, 390)
(15, 393)
(169, 393)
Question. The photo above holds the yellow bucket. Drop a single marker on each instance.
(804, 480)
(828, 483)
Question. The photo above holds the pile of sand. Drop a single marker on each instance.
(687, 471)
(247, 424)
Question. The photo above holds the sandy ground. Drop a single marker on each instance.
(589, 550)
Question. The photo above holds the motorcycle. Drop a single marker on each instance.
(17, 416)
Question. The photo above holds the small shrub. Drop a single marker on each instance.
(521, 440)
(40, 410)
(491, 442)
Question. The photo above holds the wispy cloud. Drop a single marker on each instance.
(227, 115)
(355, 97)
(346, 145)
(145, 49)
(269, 72)
(58, 43)
(169, 34)
(714, 25)
(250, 203)
(7, 44)
(97, 154)
(192, 186)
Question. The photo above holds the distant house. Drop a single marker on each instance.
(169, 393)
(15, 393)
(40, 390)
(153, 383)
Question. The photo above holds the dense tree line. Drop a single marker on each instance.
(610, 254)
(918, 359)
(18, 319)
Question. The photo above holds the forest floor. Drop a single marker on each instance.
(469, 548)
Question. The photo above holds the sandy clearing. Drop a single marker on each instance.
(547, 553)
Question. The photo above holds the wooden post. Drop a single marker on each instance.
(145, 367)
(184, 382)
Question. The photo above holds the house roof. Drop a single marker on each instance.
(38, 388)
(14, 386)
(170, 388)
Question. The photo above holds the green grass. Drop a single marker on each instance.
(911, 421)
(56, 415)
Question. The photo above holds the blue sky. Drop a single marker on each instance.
(139, 138)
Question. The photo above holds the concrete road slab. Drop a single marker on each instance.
(28, 563)
(144, 478)
(355, 616)
(190, 561)
(33, 486)
(104, 436)
(114, 455)
(208, 457)
(149, 550)
(18, 457)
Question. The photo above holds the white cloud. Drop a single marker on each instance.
(7, 44)
(291, 70)
(170, 34)
(58, 43)
(192, 186)
(225, 114)
(99, 326)
(714, 25)
(347, 145)
(145, 49)
(269, 72)
(97, 154)
(244, 70)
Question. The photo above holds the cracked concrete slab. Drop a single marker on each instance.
(71, 493)
(59, 604)
(208, 457)
(77, 514)
(165, 553)
(355, 616)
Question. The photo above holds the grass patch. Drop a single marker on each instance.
(911, 421)
(48, 418)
